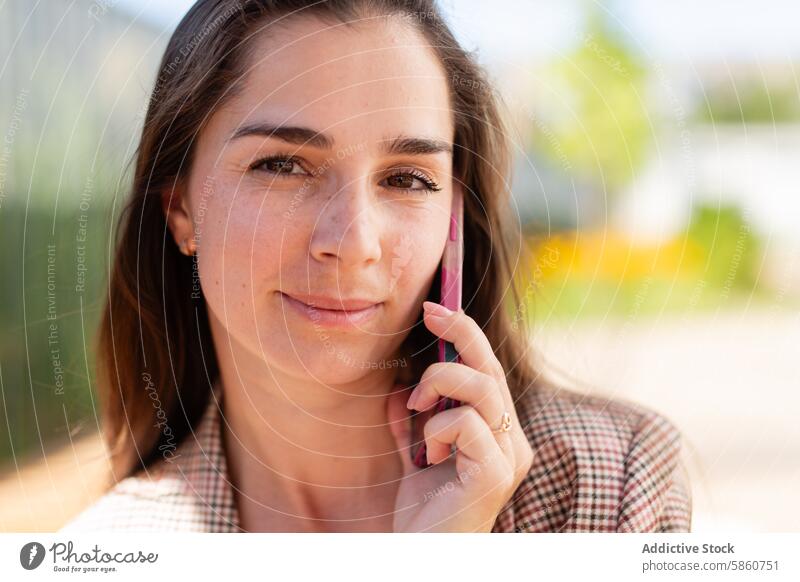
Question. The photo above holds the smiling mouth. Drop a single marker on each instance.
(332, 312)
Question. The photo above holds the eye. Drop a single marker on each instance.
(404, 179)
(282, 165)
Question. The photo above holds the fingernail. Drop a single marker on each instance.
(412, 400)
(436, 309)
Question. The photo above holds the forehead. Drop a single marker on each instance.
(375, 78)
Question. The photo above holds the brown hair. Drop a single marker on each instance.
(156, 361)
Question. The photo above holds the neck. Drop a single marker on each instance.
(303, 448)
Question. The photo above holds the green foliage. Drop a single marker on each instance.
(733, 251)
(49, 312)
(714, 262)
(749, 101)
(601, 125)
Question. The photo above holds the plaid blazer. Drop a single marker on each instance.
(600, 465)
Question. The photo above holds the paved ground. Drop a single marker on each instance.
(729, 381)
(44, 494)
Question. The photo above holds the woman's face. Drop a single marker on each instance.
(318, 234)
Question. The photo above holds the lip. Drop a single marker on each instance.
(332, 312)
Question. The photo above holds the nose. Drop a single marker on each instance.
(348, 229)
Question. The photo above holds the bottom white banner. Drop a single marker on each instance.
(404, 557)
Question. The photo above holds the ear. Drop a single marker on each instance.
(175, 204)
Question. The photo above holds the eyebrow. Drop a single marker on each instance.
(307, 136)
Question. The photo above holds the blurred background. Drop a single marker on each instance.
(656, 179)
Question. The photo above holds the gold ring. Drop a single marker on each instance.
(505, 423)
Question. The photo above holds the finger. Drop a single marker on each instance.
(461, 383)
(471, 389)
(466, 335)
(399, 419)
(476, 352)
(465, 428)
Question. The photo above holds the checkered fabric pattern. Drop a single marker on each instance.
(600, 465)
(188, 492)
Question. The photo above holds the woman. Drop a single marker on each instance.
(273, 300)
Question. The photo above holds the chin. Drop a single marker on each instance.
(331, 361)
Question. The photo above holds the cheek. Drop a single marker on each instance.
(240, 252)
(414, 257)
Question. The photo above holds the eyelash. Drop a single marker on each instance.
(430, 185)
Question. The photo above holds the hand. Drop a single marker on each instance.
(466, 491)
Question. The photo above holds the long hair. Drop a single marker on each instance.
(156, 360)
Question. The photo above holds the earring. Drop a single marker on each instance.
(188, 247)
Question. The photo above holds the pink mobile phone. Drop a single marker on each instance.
(451, 268)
